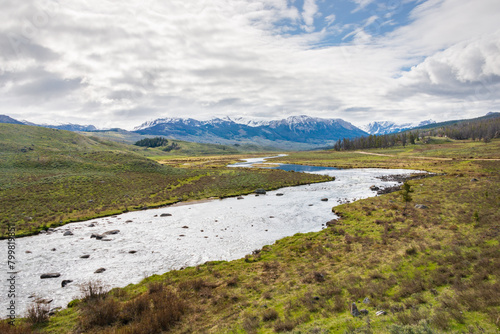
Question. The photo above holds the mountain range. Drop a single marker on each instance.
(387, 127)
(291, 133)
(295, 132)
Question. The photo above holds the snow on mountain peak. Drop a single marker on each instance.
(386, 127)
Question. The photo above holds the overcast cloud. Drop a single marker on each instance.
(118, 64)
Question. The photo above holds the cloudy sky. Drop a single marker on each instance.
(120, 63)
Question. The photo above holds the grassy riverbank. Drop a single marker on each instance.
(432, 270)
(51, 177)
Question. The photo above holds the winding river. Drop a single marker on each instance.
(159, 240)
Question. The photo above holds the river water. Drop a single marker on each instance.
(148, 243)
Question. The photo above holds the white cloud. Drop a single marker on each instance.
(310, 10)
(330, 19)
(361, 4)
(466, 69)
(115, 64)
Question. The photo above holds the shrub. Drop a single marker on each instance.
(250, 323)
(284, 325)
(93, 290)
(135, 308)
(196, 285)
(6, 328)
(422, 328)
(233, 281)
(99, 312)
(38, 313)
(270, 315)
(167, 310)
(156, 287)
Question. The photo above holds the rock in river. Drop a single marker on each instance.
(50, 275)
(100, 270)
(65, 282)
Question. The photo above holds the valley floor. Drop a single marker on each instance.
(431, 268)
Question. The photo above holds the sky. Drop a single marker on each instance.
(121, 63)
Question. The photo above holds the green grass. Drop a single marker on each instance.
(51, 177)
(432, 270)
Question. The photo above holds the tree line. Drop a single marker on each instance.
(484, 129)
(158, 142)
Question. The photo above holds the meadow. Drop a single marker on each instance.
(431, 270)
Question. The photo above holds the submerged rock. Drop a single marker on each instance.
(100, 270)
(67, 233)
(112, 232)
(165, 215)
(86, 256)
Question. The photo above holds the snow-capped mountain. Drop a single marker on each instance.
(249, 121)
(386, 127)
(295, 131)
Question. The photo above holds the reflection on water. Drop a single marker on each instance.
(302, 168)
(261, 162)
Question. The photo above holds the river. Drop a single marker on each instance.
(150, 242)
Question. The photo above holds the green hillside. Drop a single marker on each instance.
(185, 148)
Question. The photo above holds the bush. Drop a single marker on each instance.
(422, 328)
(270, 315)
(250, 323)
(37, 313)
(284, 325)
(167, 309)
(6, 328)
(93, 290)
(99, 312)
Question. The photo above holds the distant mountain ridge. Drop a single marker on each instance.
(387, 127)
(293, 133)
(9, 120)
(299, 132)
